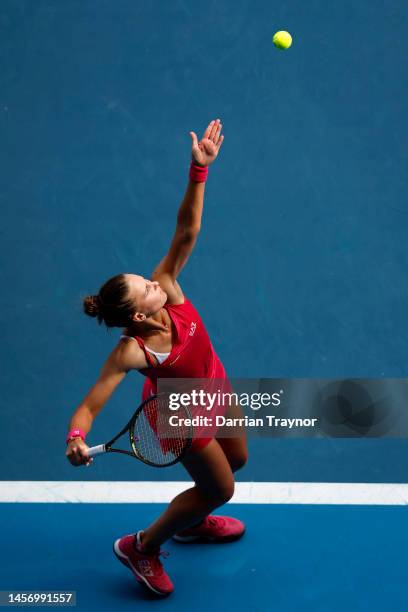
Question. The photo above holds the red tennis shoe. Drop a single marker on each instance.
(147, 568)
(214, 529)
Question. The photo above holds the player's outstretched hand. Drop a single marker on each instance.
(205, 151)
(77, 452)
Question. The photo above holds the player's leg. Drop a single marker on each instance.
(214, 486)
(214, 527)
(235, 448)
(236, 451)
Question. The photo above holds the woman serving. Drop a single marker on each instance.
(164, 336)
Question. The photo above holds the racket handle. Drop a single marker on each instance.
(96, 450)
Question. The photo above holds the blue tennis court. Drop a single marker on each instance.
(309, 557)
(299, 271)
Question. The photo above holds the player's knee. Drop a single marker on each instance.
(220, 493)
(225, 491)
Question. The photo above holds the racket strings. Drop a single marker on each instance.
(152, 436)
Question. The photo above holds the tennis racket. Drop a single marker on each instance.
(152, 439)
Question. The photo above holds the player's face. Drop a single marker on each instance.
(148, 296)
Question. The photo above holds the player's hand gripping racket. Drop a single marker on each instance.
(152, 439)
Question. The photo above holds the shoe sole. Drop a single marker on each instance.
(187, 539)
(139, 577)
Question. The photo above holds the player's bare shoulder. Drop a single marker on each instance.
(129, 355)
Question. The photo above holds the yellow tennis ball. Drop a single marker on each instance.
(282, 40)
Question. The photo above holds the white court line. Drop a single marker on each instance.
(147, 492)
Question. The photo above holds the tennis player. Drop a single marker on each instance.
(164, 336)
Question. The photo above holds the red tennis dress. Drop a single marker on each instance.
(192, 355)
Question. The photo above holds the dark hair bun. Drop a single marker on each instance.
(111, 305)
(92, 305)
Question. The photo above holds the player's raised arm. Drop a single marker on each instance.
(190, 211)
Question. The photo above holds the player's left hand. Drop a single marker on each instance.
(205, 151)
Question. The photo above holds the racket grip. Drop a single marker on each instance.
(96, 450)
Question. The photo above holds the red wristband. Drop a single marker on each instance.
(198, 174)
(74, 433)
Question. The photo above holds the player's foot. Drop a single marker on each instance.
(147, 568)
(214, 529)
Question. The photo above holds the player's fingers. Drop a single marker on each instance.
(219, 143)
(74, 460)
(208, 130)
(85, 459)
(214, 129)
(217, 135)
(72, 453)
(74, 456)
(195, 140)
(79, 457)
